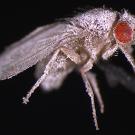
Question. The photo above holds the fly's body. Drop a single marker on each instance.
(96, 27)
(59, 48)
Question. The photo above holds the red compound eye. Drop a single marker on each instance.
(123, 32)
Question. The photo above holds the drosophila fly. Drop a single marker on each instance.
(75, 44)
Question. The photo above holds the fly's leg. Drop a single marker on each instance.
(87, 66)
(96, 90)
(91, 94)
(127, 50)
(84, 70)
(71, 54)
(42, 78)
(109, 52)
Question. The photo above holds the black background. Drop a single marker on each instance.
(67, 110)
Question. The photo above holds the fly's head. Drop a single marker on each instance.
(124, 35)
(124, 30)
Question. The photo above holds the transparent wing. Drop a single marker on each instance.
(31, 49)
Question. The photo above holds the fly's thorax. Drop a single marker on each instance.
(94, 47)
(98, 21)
